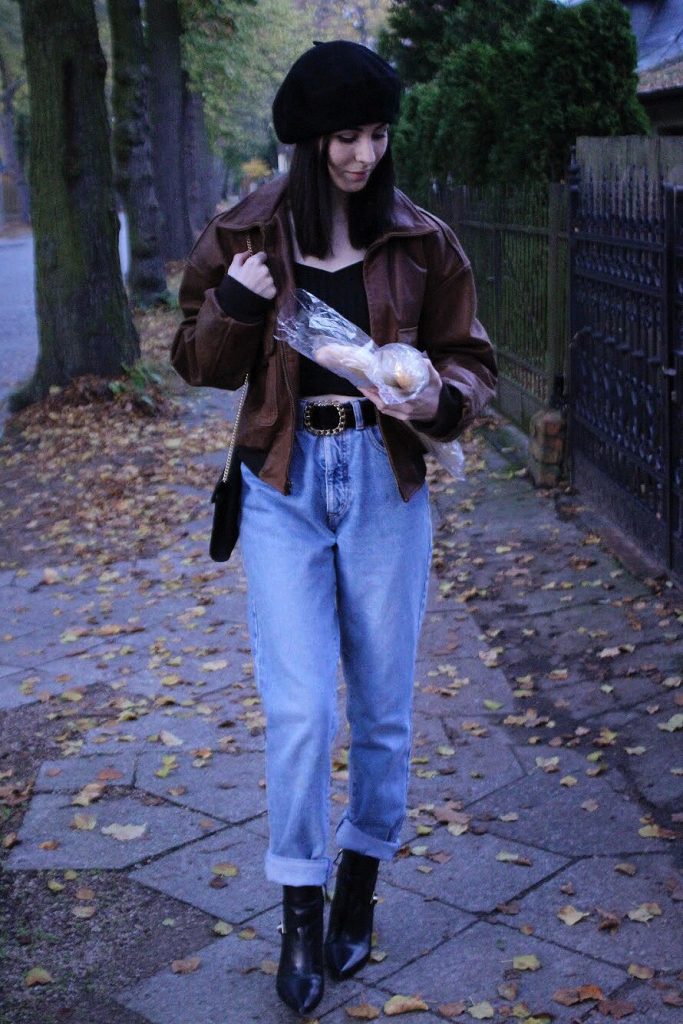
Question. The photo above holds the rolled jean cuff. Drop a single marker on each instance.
(351, 838)
(291, 871)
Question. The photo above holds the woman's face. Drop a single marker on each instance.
(354, 153)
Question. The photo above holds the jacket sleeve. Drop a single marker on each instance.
(454, 339)
(211, 347)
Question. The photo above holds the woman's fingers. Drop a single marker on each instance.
(239, 259)
(253, 273)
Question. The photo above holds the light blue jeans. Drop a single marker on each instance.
(339, 567)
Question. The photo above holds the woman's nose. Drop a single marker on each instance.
(365, 153)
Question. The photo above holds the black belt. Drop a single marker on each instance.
(333, 417)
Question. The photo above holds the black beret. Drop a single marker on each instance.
(332, 86)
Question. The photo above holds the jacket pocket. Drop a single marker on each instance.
(261, 409)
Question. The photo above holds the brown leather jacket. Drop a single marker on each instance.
(419, 289)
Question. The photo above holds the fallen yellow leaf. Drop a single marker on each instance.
(527, 962)
(169, 739)
(225, 870)
(91, 791)
(403, 1004)
(640, 971)
(645, 912)
(84, 822)
(222, 928)
(83, 912)
(364, 1011)
(124, 833)
(570, 915)
(673, 725)
(481, 1011)
(37, 976)
(186, 966)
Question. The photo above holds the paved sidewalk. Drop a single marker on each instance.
(19, 331)
(546, 777)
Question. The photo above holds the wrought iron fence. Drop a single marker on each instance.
(516, 240)
(626, 386)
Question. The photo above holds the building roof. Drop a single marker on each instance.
(668, 76)
(658, 28)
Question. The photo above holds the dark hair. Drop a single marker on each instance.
(310, 194)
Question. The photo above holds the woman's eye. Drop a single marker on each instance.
(347, 138)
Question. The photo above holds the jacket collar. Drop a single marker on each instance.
(262, 206)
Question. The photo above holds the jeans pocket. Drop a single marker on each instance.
(376, 440)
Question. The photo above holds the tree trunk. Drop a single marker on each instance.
(167, 113)
(202, 188)
(84, 321)
(132, 146)
(8, 139)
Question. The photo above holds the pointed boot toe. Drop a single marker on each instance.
(349, 936)
(345, 957)
(300, 981)
(302, 994)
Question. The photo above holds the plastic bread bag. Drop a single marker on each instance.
(316, 330)
(398, 371)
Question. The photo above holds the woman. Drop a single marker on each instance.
(335, 528)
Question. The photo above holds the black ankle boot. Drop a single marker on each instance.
(349, 934)
(299, 980)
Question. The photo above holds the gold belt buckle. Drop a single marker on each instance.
(341, 413)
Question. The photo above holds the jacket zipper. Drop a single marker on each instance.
(281, 355)
(288, 482)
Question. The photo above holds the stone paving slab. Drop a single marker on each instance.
(72, 773)
(229, 986)
(448, 635)
(49, 817)
(376, 998)
(406, 926)
(478, 765)
(657, 943)
(647, 1003)
(545, 807)
(471, 966)
(41, 646)
(186, 873)
(23, 686)
(461, 685)
(472, 879)
(586, 698)
(102, 664)
(227, 787)
(192, 728)
(652, 769)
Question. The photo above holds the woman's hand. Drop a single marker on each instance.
(423, 407)
(252, 272)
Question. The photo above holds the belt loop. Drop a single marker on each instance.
(358, 413)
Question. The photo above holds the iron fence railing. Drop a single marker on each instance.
(516, 239)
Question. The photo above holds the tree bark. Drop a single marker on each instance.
(134, 175)
(202, 187)
(85, 325)
(167, 116)
(14, 166)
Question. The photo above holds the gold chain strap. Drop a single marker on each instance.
(243, 396)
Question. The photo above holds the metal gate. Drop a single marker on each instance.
(626, 356)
